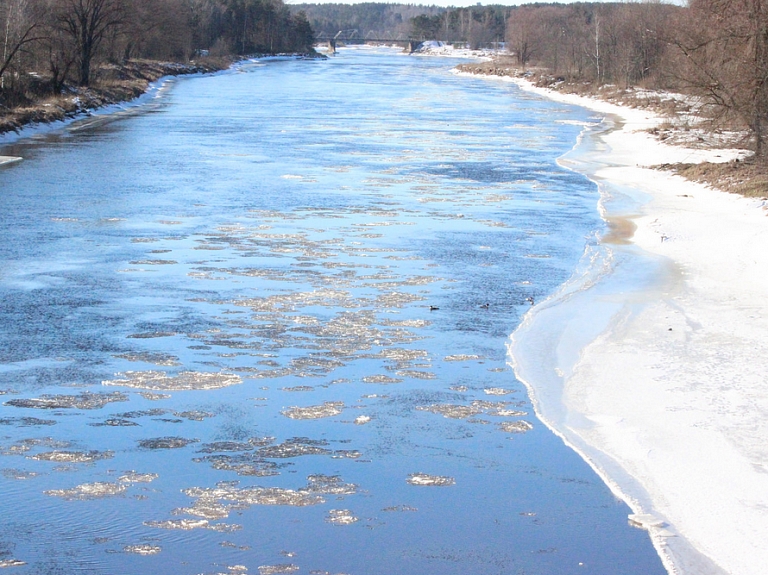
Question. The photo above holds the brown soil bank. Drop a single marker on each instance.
(116, 83)
(748, 178)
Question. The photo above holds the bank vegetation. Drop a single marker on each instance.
(102, 50)
(704, 64)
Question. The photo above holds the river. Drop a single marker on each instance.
(257, 323)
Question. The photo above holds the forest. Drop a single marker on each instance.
(370, 19)
(713, 50)
(49, 44)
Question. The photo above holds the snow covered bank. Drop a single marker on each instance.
(436, 48)
(91, 117)
(653, 364)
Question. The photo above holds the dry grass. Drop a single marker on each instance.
(747, 178)
(114, 83)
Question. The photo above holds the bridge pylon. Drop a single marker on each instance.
(413, 45)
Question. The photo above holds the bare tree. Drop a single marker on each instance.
(154, 29)
(524, 34)
(21, 28)
(724, 44)
(88, 23)
(58, 51)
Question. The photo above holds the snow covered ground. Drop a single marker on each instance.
(436, 48)
(666, 393)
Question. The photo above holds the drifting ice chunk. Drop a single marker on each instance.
(645, 520)
(142, 549)
(432, 480)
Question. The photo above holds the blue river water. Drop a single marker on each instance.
(257, 324)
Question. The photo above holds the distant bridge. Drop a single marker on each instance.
(353, 37)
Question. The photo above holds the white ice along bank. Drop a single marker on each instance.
(652, 362)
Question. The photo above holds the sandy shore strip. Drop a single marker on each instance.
(653, 364)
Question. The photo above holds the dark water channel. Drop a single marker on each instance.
(218, 352)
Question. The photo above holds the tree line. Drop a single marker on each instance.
(49, 43)
(372, 19)
(477, 26)
(713, 50)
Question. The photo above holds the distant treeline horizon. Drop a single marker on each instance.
(716, 51)
(713, 50)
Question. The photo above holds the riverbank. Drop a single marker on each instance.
(678, 121)
(117, 83)
(658, 382)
